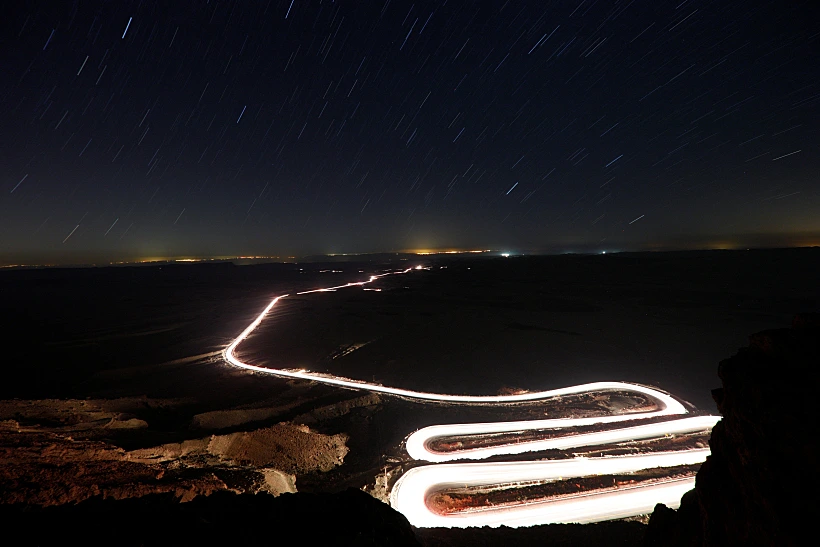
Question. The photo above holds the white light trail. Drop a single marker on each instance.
(787, 155)
(72, 233)
(613, 161)
(418, 449)
(19, 183)
(112, 225)
(126, 28)
(83, 66)
(410, 493)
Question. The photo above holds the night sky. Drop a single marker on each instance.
(133, 129)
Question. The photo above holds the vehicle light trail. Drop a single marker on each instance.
(418, 449)
(409, 495)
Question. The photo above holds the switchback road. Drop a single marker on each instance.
(411, 492)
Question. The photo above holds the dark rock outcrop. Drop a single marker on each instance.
(759, 486)
(608, 534)
(347, 518)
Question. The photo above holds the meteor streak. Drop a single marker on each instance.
(409, 495)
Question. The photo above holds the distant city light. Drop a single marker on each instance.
(505, 255)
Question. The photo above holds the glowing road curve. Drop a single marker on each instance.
(411, 492)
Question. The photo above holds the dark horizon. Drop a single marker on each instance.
(80, 259)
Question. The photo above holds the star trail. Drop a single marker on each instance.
(225, 128)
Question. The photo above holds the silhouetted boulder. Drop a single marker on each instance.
(759, 485)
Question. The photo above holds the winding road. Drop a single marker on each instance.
(411, 492)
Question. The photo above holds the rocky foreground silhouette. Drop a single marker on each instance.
(759, 485)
